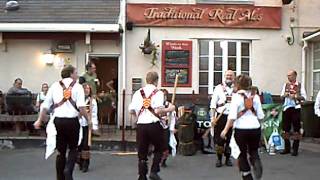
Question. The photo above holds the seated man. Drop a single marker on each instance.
(17, 88)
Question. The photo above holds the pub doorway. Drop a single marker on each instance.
(107, 92)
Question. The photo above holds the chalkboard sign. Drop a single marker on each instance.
(171, 76)
(176, 58)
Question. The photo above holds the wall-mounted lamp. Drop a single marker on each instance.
(48, 57)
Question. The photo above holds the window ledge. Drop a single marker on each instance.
(225, 2)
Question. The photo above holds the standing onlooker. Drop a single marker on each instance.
(244, 116)
(84, 148)
(293, 93)
(42, 95)
(91, 77)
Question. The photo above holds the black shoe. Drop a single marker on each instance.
(285, 152)
(142, 178)
(85, 166)
(228, 162)
(257, 169)
(218, 163)
(154, 176)
(206, 152)
(80, 163)
(294, 153)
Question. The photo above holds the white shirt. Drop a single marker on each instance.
(94, 115)
(219, 97)
(317, 105)
(41, 97)
(288, 102)
(248, 120)
(157, 100)
(55, 95)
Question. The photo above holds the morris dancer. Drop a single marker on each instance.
(293, 94)
(170, 141)
(244, 115)
(147, 105)
(220, 103)
(67, 98)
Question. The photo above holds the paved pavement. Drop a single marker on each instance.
(29, 164)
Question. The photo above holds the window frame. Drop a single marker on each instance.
(313, 92)
(225, 62)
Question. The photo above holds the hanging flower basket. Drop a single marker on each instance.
(150, 48)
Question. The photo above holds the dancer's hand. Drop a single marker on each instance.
(214, 122)
(223, 134)
(37, 124)
(171, 107)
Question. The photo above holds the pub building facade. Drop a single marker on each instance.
(201, 39)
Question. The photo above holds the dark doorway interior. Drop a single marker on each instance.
(107, 72)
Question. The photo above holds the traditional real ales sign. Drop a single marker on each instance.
(204, 15)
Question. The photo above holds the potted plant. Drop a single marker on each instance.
(149, 47)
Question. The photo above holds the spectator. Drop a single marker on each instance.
(91, 77)
(42, 95)
(17, 88)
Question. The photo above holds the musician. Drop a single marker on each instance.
(293, 94)
(84, 148)
(147, 105)
(67, 98)
(220, 103)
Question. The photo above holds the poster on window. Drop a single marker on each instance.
(176, 59)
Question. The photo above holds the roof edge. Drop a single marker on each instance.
(58, 27)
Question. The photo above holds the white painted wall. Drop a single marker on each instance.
(23, 59)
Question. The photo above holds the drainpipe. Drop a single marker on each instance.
(303, 63)
(123, 12)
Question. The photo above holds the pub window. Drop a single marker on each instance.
(316, 69)
(226, 1)
(217, 56)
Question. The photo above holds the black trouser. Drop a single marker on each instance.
(291, 117)
(149, 134)
(248, 142)
(84, 142)
(84, 149)
(222, 145)
(166, 147)
(67, 137)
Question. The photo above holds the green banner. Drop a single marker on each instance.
(272, 119)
